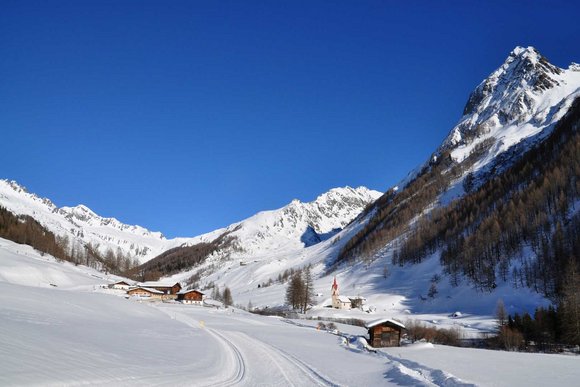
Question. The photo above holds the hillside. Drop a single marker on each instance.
(516, 142)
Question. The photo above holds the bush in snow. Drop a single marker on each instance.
(419, 331)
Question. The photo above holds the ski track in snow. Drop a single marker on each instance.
(238, 346)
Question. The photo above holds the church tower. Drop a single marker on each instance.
(335, 295)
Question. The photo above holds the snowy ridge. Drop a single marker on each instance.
(301, 224)
(82, 226)
(293, 226)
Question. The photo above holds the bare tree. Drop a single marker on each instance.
(308, 292)
(501, 314)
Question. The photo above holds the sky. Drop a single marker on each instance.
(187, 116)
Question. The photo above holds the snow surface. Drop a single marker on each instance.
(81, 333)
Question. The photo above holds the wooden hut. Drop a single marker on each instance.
(385, 333)
(190, 297)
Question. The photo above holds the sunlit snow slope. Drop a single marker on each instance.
(295, 225)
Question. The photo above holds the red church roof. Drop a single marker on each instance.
(334, 284)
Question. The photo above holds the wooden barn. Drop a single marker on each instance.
(385, 333)
(149, 293)
(190, 297)
(163, 287)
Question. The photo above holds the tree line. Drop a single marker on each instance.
(182, 258)
(392, 212)
(26, 230)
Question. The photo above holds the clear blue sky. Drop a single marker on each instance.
(186, 116)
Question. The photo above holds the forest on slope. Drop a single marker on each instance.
(26, 230)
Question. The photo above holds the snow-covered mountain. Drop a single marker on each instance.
(293, 226)
(81, 225)
(525, 96)
(299, 224)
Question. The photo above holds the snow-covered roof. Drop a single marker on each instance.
(148, 289)
(157, 284)
(382, 321)
(121, 282)
(189, 291)
(344, 299)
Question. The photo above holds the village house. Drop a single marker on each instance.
(163, 287)
(385, 333)
(148, 293)
(190, 297)
(122, 285)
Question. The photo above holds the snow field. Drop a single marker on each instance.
(72, 335)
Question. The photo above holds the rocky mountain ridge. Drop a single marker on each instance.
(266, 230)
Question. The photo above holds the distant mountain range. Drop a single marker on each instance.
(293, 226)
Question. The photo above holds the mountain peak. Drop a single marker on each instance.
(524, 52)
(524, 71)
(518, 94)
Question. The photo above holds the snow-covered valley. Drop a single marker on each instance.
(78, 333)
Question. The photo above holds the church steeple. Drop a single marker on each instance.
(334, 289)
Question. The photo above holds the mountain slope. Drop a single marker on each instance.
(286, 231)
(516, 107)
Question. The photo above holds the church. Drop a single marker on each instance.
(338, 301)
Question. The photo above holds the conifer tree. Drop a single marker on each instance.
(227, 297)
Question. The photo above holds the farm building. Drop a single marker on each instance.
(190, 297)
(385, 333)
(122, 285)
(163, 287)
(149, 293)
